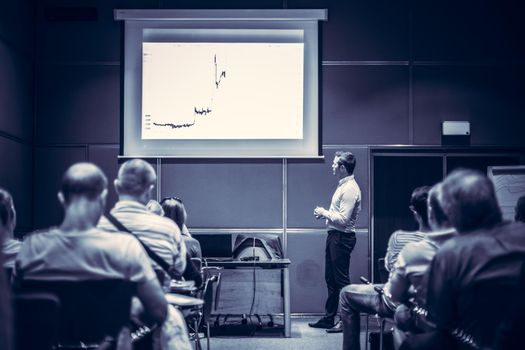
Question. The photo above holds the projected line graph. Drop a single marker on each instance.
(222, 91)
(222, 75)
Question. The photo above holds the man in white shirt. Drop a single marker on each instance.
(77, 250)
(341, 219)
(134, 185)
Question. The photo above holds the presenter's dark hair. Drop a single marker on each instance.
(418, 202)
(174, 209)
(520, 209)
(6, 207)
(435, 198)
(470, 201)
(83, 180)
(346, 159)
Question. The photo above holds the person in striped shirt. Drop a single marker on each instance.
(134, 185)
(357, 298)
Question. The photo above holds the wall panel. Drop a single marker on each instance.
(78, 104)
(236, 194)
(50, 165)
(311, 183)
(16, 92)
(365, 105)
(470, 30)
(362, 30)
(490, 97)
(307, 285)
(15, 177)
(106, 157)
(16, 24)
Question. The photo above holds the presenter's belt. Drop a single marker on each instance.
(332, 231)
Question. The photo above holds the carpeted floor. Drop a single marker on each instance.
(303, 338)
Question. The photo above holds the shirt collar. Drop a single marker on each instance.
(129, 204)
(441, 234)
(346, 179)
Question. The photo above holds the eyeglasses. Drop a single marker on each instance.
(171, 198)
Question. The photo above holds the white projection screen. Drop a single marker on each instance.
(220, 83)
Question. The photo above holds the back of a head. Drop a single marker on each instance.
(436, 215)
(520, 209)
(83, 180)
(347, 159)
(174, 209)
(418, 202)
(6, 208)
(469, 200)
(135, 177)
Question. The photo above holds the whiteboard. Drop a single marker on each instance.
(509, 182)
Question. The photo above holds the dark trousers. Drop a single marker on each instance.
(339, 245)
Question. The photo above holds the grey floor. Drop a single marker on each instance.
(303, 338)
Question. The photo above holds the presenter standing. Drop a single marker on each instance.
(341, 220)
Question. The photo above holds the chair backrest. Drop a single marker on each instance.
(207, 296)
(36, 320)
(383, 272)
(197, 262)
(90, 310)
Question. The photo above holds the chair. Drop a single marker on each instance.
(39, 313)
(202, 318)
(91, 312)
(383, 278)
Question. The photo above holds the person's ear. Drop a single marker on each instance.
(61, 199)
(116, 183)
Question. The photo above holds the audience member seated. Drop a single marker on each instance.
(357, 298)
(6, 336)
(10, 246)
(134, 186)
(174, 209)
(520, 210)
(191, 272)
(407, 283)
(475, 276)
(78, 251)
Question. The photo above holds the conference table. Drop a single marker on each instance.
(262, 267)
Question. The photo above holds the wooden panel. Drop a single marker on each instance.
(362, 30)
(15, 177)
(491, 98)
(238, 288)
(16, 93)
(78, 104)
(311, 184)
(468, 30)
(365, 105)
(232, 194)
(306, 250)
(50, 165)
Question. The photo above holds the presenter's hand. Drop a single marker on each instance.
(318, 212)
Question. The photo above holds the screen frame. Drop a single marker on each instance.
(137, 20)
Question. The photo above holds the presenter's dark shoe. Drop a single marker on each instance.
(338, 328)
(325, 323)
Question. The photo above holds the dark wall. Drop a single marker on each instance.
(16, 106)
(391, 72)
